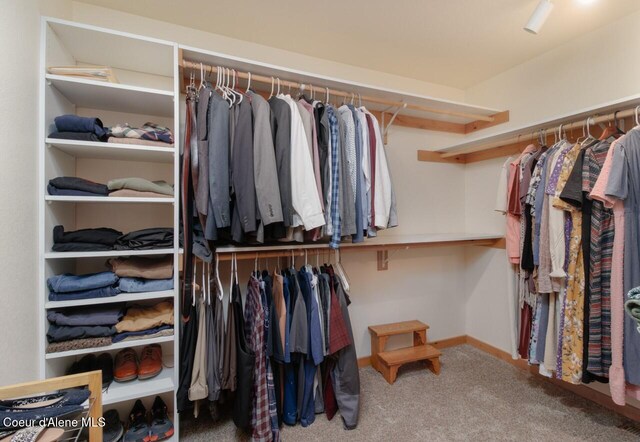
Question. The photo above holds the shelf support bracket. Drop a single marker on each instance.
(385, 128)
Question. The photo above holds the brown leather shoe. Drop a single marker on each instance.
(126, 366)
(150, 361)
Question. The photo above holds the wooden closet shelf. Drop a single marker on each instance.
(389, 242)
(513, 141)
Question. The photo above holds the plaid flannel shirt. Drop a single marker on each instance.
(335, 184)
(254, 315)
(148, 131)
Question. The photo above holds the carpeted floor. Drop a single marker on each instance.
(476, 397)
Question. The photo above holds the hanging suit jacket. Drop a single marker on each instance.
(265, 170)
(218, 213)
(202, 125)
(281, 132)
(245, 211)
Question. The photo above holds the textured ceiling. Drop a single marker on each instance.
(450, 42)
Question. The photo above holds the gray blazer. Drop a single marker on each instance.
(242, 165)
(265, 171)
(219, 214)
(347, 199)
(202, 122)
(281, 132)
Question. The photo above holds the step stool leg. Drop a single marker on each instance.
(434, 365)
(419, 338)
(377, 346)
(393, 374)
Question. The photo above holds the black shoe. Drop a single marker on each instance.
(113, 429)
(86, 363)
(138, 430)
(161, 426)
(105, 364)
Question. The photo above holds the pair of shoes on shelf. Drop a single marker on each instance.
(128, 367)
(91, 362)
(149, 427)
(112, 431)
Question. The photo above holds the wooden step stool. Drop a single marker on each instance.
(388, 362)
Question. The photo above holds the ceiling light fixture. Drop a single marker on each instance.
(539, 16)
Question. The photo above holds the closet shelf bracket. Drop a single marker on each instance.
(388, 125)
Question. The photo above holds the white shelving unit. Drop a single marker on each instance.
(147, 91)
(112, 151)
(100, 199)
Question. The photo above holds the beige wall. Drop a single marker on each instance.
(19, 43)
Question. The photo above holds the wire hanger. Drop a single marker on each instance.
(231, 277)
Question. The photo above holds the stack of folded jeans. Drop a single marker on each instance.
(74, 127)
(83, 322)
(68, 287)
(84, 240)
(73, 186)
(140, 274)
(146, 239)
(144, 321)
(139, 187)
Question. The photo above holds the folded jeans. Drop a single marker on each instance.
(139, 285)
(100, 292)
(68, 282)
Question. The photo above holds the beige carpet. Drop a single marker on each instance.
(476, 397)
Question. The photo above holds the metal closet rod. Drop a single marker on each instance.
(269, 80)
(631, 112)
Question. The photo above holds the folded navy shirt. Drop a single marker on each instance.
(75, 123)
(78, 136)
(87, 316)
(75, 183)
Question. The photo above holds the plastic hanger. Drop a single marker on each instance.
(326, 90)
(340, 271)
(249, 84)
(637, 119)
(272, 84)
(278, 86)
(201, 77)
